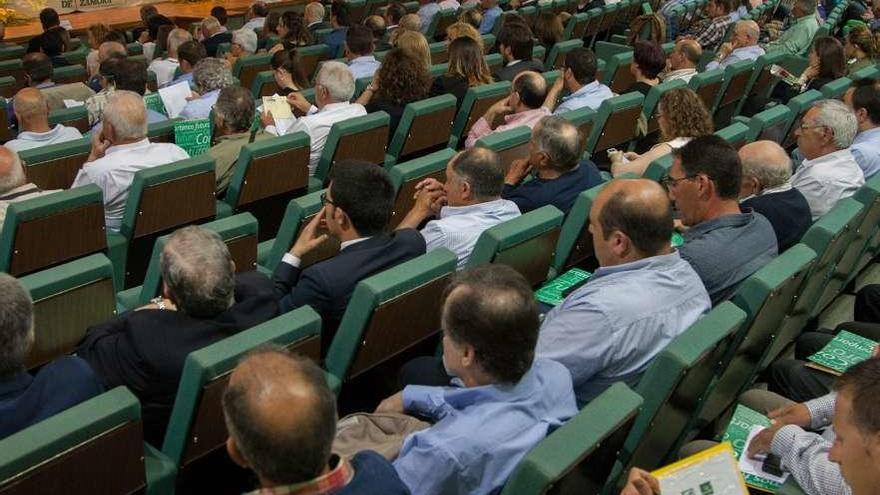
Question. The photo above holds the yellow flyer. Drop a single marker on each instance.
(711, 472)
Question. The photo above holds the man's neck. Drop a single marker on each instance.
(549, 173)
(477, 378)
(472, 202)
(573, 86)
(37, 125)
(720, 208)
(824, 151)
(123, 142)
(635, 256)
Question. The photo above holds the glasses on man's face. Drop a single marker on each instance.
(325, 201)
(804, 126)
(669, 182)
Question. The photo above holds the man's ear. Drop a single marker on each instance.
(466, 192)
(468, 355)
(235, 454)
(341, 217)
(620, 244)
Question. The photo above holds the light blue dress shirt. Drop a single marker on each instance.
(489, 18)
(426, 15)
(188, 77)
(866, 150)
(364, 66)
(738, 55)
(481, 433)
(590, 95)
(610, 329)
(200, 108)
(459, 227)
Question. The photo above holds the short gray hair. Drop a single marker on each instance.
(178, 37)
(16, 325)
(126, 114)
(766, 161)
(15, 176)
(211, 74)
(839, 118)
(750, 27)
(197, 269)
(316, 9)
(246, 39)
(235, 108)
(210, 24)
(559, 139)
(337, 78)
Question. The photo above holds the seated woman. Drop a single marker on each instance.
(401, 79)
(209, 77)
(648, 62)
(467, 69)
(548, 29)
(269, 34)
(293, 31)
(415, 43)
(682, 116)
(827, 63)
(460, 29)
(288, 73)
(861, 49)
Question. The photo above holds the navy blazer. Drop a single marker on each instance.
(327, 286)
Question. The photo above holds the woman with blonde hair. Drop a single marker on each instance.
(467, 69)
(96, 34)
(415, 43)
(682, 116)
(463, 29)
(862, 49)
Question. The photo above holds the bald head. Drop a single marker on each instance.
(176, 38)
(126, 117)
(690, 52)
(749, 30)
(766, 162)
(31, 106)
(109, 48)
(640, 210)
(11, 171)
(281, 416)
(530, 89)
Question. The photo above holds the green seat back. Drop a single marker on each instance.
(733, 90)
(615, 123)
(771, 124)
(77, 117)
(870, 72)
(836, 88)
(579, 456)
(297, 215)
(843, 252)
(575, 247)
(591, 30)
(68, 299)
(310, 56)
(605, 50)
(476, 101)
(55, 166)
(736, 134)
(847, 267)
(162, 132)
(869, 196)
(11, 52)
(362, 138)
(70, 74)
(510, 144)
(583, 118)
(246, 68)
(707, 85)
(652, 99)
(799, 106)
(13, 68)
(264, 85)
(762, 81)
(421, 128)
(659, 168)
(617, 75)
(405, 177)
(556, 57)
(576, 26)
(389, 313)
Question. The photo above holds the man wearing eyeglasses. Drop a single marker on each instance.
(829, 171)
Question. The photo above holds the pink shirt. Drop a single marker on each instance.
(528, 118)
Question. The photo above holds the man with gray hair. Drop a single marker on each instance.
(797, 39)
(743, 45)
(334, 87)
(256, 16)
(13, 183)
(233, 116)
(829, 171)
(314, 16)
(766, 188)
(557, 177)
(164, 68)
(210, 75)
(27, 399)
(119, 150)
(202, 301)
(32, 111)
(213, 35)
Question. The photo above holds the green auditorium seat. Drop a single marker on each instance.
(70, 74)
(13, 68)
(733, 90)
(494, 61)
(870, 72)
(94, 447)
(77, 117)
(707, 85)
(591, 30)
(268, 174)
(8, 88)
(488, 42)
(389, 313)
(578, 457)
(311, 56)
(617, 75)
(870, 200)
(55, 166)
(652, 100)
(556, 57)
(799, 106)
(583, 118)
(196, 427)
(239, 233)
(439, 51)
(615, 124)
(11, 52)
(762, 81)
(836, 88)
(162, 132)
(246, 68)
(510, 144)
(530, 13)
(405, 177)
(51, 229)
(766, 298)
(771, 124)
(264, 85)
(361, 138)
(526, 243)
(736, 134)
(477, 100)
(575, 246)
(539, 52)
(604, 50)
(68, 299)
(848, 266)
(297, 215)
(422, 129)
(659, 168)
(576, 26)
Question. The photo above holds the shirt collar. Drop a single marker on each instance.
(339, 476)
(513, 62)
(130, 146)
(650, 262)
(516, 117)
(680, 72)
(363, 58)
(830, 157)
(40, 136)
(46, 84)
(314, 23)
(785, 186)
(334, 106)
(586, 88)
(352, 242)
(449, 211)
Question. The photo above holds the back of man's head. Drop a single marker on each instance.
(518, 38)
(211, 74)
(750, 29)
(109, 48)
(359, 40)
(192, 52)
(767, 162)
(198, 272)
(717, 159)
(365, 193)
(235, 108)
(176, 38)
(491, 308)
(16, 326)
(30, 104)
(531, 88)
(218, 12)
(210, 26)
(54, 41)
(340, 12)
(49, 18)
(866, 96)
(11, 170)
(131, 75)
(482, 169)
(691, 50)
(582, 64)
(126, 114)
(376, 24)
(314, 11)
(37, 67)
(394, 12)
(835, 115)
(336, 78)
(861, 384)
(640, 209)
(559, 140)
(147, 11)
(260, 9)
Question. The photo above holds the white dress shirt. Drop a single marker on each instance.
(826, 180)
(317, 124)
(28, 140)
(164, 69)
(255, 23)
(114, 172)
(459, 227)
(683, 74)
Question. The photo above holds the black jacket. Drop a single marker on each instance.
(212, 43)
(508, 73)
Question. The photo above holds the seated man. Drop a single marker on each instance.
(164, 68)
(214, 35)
(709, 32)
(704, 183)
(515, 43)
(13, 183)
(507, 400)
(27, 399)
(829, 171)
(743, 45)
(189, 54)
(256, 15)
(49, 20)
(766, 189)
(579, 78)
(376, 24)
(209, 76)
(281, 418)
(357, 207)
(524, 107)
(32, 111)
(491, 13)
(53, 44)
(131, 75)
(797, 39)
(642, 296)
(119, 150)
(244, 44)
(427, 10)
(38, 73)
(334, 87)
(863, 98)
(558, 178)
(466, 205)
(340, 21)
(314, 16)
(359, 52)
(233, 116)
(202, 301)
(682, 61)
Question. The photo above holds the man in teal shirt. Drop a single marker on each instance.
(797, 39)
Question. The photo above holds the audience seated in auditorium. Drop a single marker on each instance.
(710, 32)
(766, 188)
(49, 20)
(704, 182)
(491, 14)
(548, 30)
(393, 14)
(642, 296)
(506, 401)
(38, 74)
(579, 79)
(314, 17)
(556, 176)
(743, 45)
(214, 35)
(109, 48)
(334, 87)
(863, 98)
(281, 418)
(293, 31)
(121, 148)
(797, 38)
(402, 79)
(340, 20)
(34, 131)
(127, 75)
(427, 10)
(523, 107)
(415, 43)
(210, 75)
(202, 301)
(164, 68)
(682, 116)
(26, 399)
(189, 55)
(648, 62)
(233, 116)
(376, 24)
(515, 43)
(13, 182)
(244, 43)
(357, 207)
(861, 49)
(826, 63)
(256, 16)
(359, 52)
(53, 44)
(466, 69)
(466, 205)
(287, 72)
(682, 61)
(829, 171)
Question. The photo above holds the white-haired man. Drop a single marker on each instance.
(743, 45)
(164, 68)
(13, 182)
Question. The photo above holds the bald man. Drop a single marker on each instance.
(13, 183)
(642, 296)
(743, 45)
(281, 417)
(164, 68)
(682, 61)
(766, 188)
(32, 110)
(523, 107)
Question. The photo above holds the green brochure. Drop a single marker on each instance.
(154, 102)
(552, 292)
(744, 425)
(844, 350)
(676, 240)
(193, 135)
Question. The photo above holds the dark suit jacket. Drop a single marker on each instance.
(508, 73)
(321, 25)
(788, 213)
(327, 286)
(145, 350)
(213, 42)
